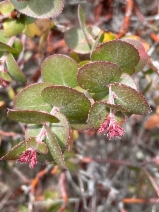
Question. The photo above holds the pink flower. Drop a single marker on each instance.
(29, 156)
(111, 128)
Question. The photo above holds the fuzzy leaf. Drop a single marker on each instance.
(31, 117)
(54, 148)
(142, 53)
(130, 99)
(39, 8)
(82, 125)
(96, 75)
(60, 70)
(121, 53)
(30, 98)
(14, 69)
(73, 104)
(15, 152)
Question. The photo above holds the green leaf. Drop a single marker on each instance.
(61, 130)
(127, 80)
(30, 98)
(13, 26)
(76, 41)
(54, 148)
(80, 125)
(39, 147)
(6, 7)
(81, 18)
(31, 117)
(15, 152)
(142, 53)
(130, 99)
(14, 69)
(6, 48)
(96, 75)
(39, 8)
(97, 114)
(73, 104)
(60, 70)
(121, 53)
(5, 76)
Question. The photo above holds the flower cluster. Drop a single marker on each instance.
(29, 156)
(111, 128)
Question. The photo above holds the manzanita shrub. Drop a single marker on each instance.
(98, 93)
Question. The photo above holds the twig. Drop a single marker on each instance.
(138, 200)
(126, 21)
(5, 199)
(8, 134)
(154, 184)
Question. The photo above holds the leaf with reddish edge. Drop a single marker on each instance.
(60, 70)
(96, 75)
(130, 99)
(15, 152)
(14, 69)
(115, 107)
(73, 104)
(121, 53)
(54, 148)
(39, 8)
(30, 98)
(31, 116)
(142, 53)
(38, 146)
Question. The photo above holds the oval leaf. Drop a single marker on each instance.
(95, 76)
(39, 8)
(60, 70)
(142, 53)
(130, 99)
(31, 117)
(14, 69)
(30, 98)
(123, 54)
(54, 148)
(15, 152)
(73, 104)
